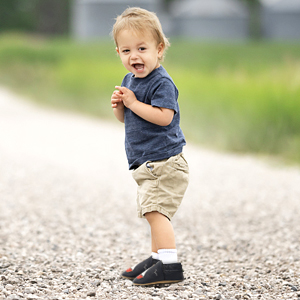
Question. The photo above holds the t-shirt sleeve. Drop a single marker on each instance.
(165, 95)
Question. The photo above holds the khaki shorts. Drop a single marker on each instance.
(161, 185)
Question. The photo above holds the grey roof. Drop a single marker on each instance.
(195, 8)
(281, 5)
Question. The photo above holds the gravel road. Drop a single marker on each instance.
(68, 223)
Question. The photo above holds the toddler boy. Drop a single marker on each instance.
(147, 103)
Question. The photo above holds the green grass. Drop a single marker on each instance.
(245, 97)
(235, 97)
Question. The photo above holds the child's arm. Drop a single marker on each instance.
(156, 115)
(117, 105)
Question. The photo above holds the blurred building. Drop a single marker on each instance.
(196, 19)
(281, 19)
(210, 19)
(95, 18)
(207, 19)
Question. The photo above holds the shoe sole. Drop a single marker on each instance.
(130, 278)
(158, 282)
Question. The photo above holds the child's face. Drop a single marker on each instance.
(139, 53)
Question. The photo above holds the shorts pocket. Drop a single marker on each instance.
(180, 164)
(143, 173)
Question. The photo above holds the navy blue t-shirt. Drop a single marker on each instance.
(144, 140)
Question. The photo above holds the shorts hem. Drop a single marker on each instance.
(141, 214)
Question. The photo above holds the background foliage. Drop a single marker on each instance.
(39, 16)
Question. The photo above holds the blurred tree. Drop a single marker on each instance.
(42, 16)
(254, 8)
(17, 14)
(167, 3)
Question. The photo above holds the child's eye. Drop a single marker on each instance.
(142, 48)
(125, 51)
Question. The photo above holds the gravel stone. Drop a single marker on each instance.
(29, 290)
(91, 294)
(68, 224)
(13, 297)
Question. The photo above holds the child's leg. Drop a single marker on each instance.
(162, 233)
(167, 269)
(153, 243)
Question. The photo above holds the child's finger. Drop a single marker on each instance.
(120, 88)
(116, 100)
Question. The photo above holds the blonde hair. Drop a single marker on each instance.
(140, 20)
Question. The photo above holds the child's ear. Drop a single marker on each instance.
(160, 49)
(117, 49)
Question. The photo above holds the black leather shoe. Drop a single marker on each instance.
(160, 273)
(139, 268)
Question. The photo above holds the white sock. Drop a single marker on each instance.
(155, 255)
(168, 256)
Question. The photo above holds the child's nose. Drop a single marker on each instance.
(134, 55)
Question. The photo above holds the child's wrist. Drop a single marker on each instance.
(132, 104)
(119, 108)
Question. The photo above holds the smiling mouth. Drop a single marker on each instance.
(138, 67)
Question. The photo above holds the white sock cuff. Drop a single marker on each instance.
(161, 251)
(168, 256)
(155, 255)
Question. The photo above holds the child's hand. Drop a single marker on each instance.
(126, 95)
(116, 101)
